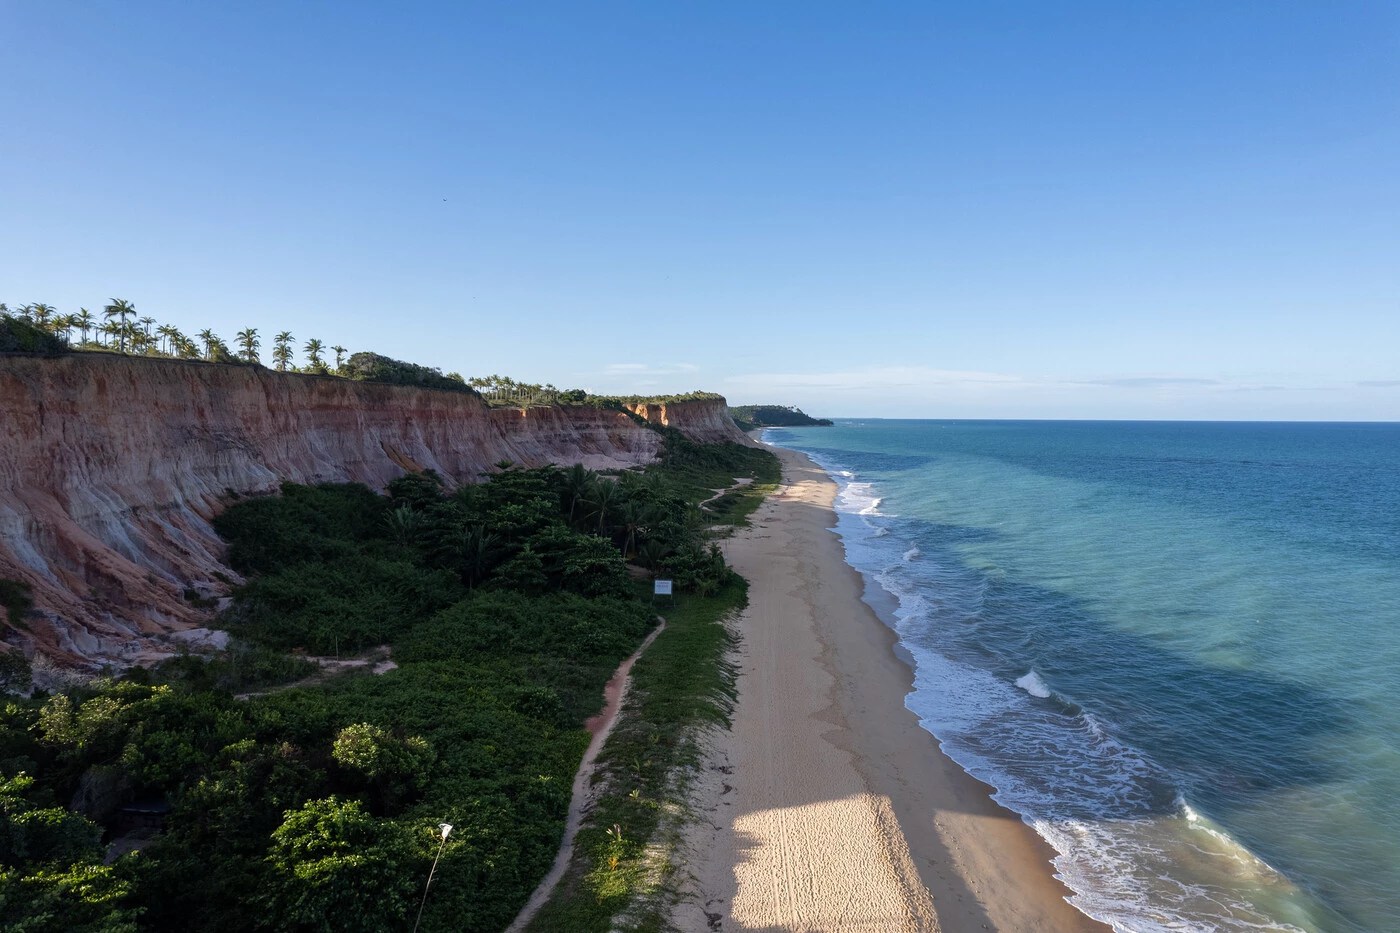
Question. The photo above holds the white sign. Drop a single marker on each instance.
(661, 588)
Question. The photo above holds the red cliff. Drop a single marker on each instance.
(112, 467)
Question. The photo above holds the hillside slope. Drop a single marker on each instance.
(112, 467)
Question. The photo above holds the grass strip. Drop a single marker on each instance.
(684, 682)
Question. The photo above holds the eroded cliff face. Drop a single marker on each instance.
(111, 469)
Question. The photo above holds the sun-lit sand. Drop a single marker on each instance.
(827, 807)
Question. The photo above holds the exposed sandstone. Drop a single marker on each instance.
(111, 469)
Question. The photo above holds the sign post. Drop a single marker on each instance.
(662, 588)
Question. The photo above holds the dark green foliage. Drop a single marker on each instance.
(416, 490)
(81, 897)
(336, 869)
(511, 625)
(371, 367)
(347, 605)
(15, 673)
(390, 769)
(15, 600)
(303, 524)
(33, 834)
(19, 335)
(774, 416)
(507, 605)
(243, 666)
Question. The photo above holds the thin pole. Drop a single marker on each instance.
(431, 872)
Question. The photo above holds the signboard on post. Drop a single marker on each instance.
(661, 588)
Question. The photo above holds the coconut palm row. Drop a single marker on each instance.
(120, 329)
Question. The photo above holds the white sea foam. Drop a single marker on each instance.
(1032, 684)
(1088, 794)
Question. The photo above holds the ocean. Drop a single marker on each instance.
(1172, 648)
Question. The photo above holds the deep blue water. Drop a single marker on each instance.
(1174, 648)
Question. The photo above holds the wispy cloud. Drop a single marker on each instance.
(648, 369)
(881, 377)
(1151, 382)
(1379, 383)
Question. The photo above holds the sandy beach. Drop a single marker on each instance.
(827, 806)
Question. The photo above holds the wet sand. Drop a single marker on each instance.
(826, 806)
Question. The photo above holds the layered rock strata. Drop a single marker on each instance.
(111, 469)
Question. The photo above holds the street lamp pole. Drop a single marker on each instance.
(446, 830)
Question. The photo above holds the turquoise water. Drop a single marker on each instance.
(1173, 648)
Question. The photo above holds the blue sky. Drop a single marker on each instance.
(1155, 210)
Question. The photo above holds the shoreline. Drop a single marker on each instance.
(828, 807)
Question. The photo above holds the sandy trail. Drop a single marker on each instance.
(830, 808)
(601, 727)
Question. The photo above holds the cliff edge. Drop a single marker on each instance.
(111, 469)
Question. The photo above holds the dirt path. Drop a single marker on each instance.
(376, 662)
(738, 483)
(601, 727)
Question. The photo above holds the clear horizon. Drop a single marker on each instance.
(1008, 211)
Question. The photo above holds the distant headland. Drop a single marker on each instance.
(749, 417)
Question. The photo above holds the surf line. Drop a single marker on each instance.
(601, 726)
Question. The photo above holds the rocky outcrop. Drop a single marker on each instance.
(111, 469)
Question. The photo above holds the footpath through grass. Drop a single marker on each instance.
(622, 876)
(622, 872)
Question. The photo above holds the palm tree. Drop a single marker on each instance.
(120, 308)
(402, 524)
(43, 315)
(83, 320)
(651, 553)
(248, 340)
(578, 482)
(135, 337)
(111, 330)
(339, 357)
(146, 323)
(602, 501)
(167, 333)
(313, 350)
(63, 325)
(633, 516)
(185, 347)
(471, 549)
(282, 353)
(209, 339)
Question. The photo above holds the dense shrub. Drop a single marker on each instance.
(508, 604)
(371, 367)
(19, 335)
(350, 604)
(303, 524)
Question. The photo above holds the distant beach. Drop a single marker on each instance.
(827, 807)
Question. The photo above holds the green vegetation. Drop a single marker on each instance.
(20, 335)
(371, 367)
(622, 854)
(749, 417)
(506, 604)
(39, 328)
(15, 599)
(502, 391)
